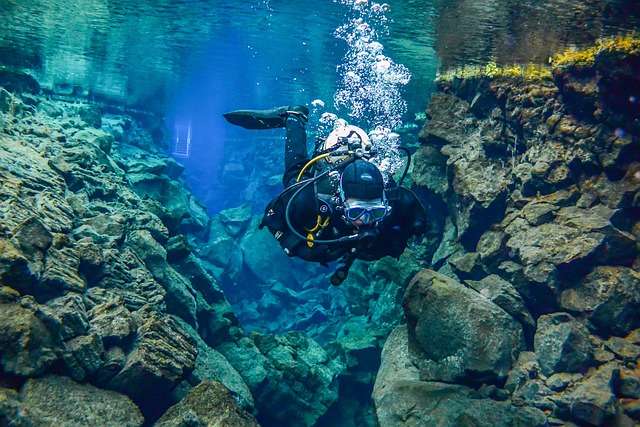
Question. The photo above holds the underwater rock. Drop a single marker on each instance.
(215, 320)
(163, 355)
(361, 351)
(11, 411)
(82, 356)
(60, 273)
(505, 296)
(570, 245)
(197, 273)
(180, 299)
(211, 365)
(223, 251)
(430, 169)
(609, 296)
(386, 311)
(467, 266)
(95, 137)
(562, 344)
(18, 81)
(209, 403)
(292, 379)
(178, 249)
(592, 401)
(526, 369)
(111, 321)
(563, 380)
(71, 311)
(456, 334)
(628, 383)
(76, 236)
(540, 204)
(55, 401)
(33, 238)
(14, 267)
(402, 399)
(265, 258)
(30, 337)
(447, 121)
(395, 371)
(155, 175)
(236, 220)
(623, 348)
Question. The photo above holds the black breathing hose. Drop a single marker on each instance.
(306, 184)
(406, 168)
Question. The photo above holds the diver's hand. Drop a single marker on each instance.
(339, 275)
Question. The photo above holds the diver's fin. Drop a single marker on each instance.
(266, 119)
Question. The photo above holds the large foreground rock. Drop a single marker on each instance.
(30, 338)
(562, 344)
(163, 355)
(457, 334)
(401, 399)
(610, 297)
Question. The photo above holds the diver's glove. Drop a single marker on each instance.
(418, 227)
(342, 271)
(340, 274)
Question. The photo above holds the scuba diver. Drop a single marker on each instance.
(336, 205)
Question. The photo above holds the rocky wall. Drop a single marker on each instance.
(105, 299)
(528, 314)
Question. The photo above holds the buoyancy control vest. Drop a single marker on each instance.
(307, 217)
(316, 213)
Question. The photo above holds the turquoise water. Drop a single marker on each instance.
(184, 63)
(188, 62)
(146, 54)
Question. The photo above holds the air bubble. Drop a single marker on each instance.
(371, 83)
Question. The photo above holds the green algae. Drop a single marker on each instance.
(620, 45)
(585, 57)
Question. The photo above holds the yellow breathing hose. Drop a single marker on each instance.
(310, 163)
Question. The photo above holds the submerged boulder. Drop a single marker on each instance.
(211, 365)
(163, 355)
(56, 401)
(400, 398)
(610, 297)
(265, 258)
(30, 337)
(456, 334)
(505, 296)
(562, 344)
(292, 379)
(207, 404)
(593, 401)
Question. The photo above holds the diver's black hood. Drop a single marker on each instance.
(362, 180)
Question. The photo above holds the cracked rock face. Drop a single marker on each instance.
(541, 220)
(209, 403)
(457, 334)
(53, 400)
(109, 286)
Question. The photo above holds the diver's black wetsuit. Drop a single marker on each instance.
(406, 219)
